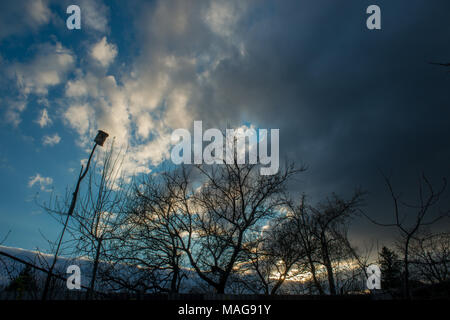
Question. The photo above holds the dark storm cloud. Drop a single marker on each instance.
(349, 102)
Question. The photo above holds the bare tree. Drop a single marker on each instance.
(419, 215)
(304, 227)
(152, 242)
(322, 232)
(278, 256)
(430, 256)
(224, 215)
(7, 271)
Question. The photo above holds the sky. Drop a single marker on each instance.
(350, 102)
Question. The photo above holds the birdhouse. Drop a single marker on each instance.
(101, 137)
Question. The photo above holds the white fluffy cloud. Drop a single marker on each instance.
(83, 86)
(167, 83)
(43, 182)
(78, 117)
(51, 140)
(20, 16)
(39, 11)
(13, 112)
(221, 16)
(49, 67)
(94, 15)
(44, 120)
(97, 102)
(103, 52)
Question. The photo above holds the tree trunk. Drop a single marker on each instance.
(94, 271)
(220, 288)
(313, 272)
(406, 288)
(173, 284)
(277, 285)
(329, 268)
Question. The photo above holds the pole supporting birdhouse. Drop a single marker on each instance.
(99, 140)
